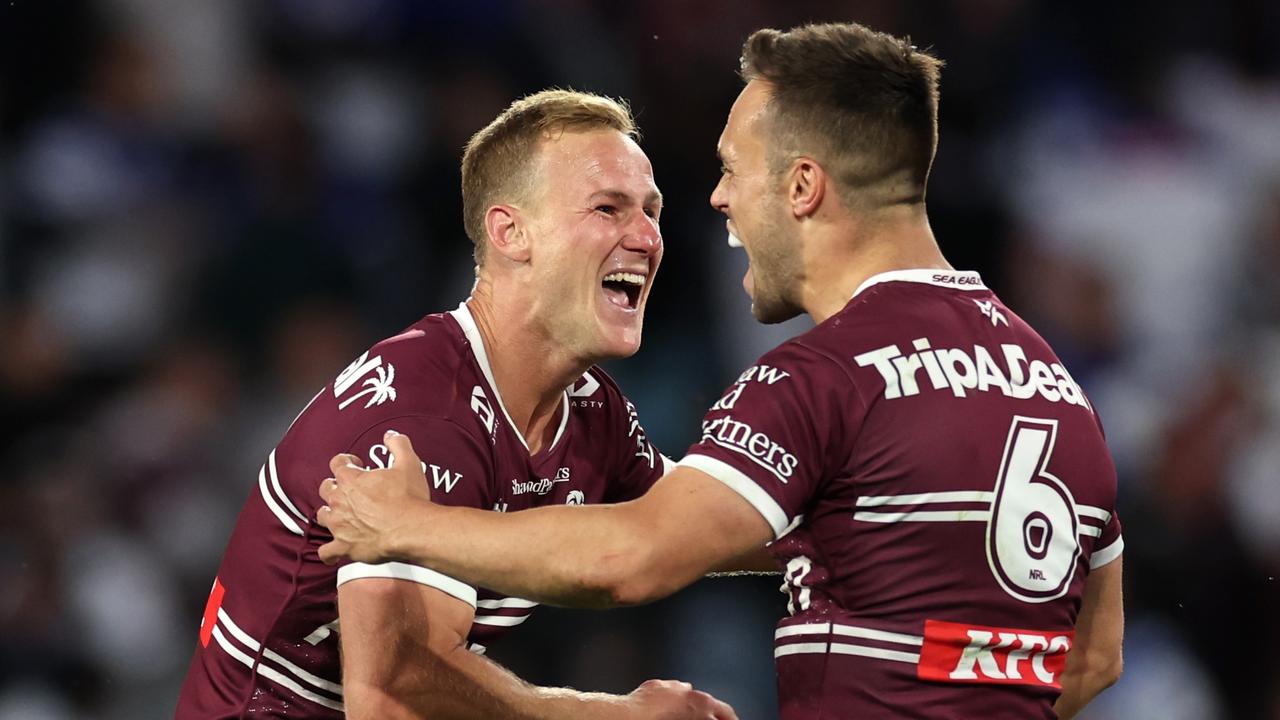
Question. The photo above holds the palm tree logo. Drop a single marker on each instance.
(378, 388)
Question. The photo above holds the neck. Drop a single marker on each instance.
(530, 372)
(839, 257)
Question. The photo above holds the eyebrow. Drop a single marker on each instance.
(618, 196)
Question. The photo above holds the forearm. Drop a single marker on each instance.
(1080, 687)
(533, 553)
(755, 562)
(460, 685)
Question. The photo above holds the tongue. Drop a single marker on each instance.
(617, 296)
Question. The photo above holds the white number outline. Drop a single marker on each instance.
(798, 569)
(1038, 476)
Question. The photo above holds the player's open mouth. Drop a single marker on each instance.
(623, 289)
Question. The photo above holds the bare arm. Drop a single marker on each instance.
(1096, 659)
(404, 656)
(687, 525)
(754, 562)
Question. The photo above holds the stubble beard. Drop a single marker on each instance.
(776, 273)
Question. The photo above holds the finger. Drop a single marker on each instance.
(323, 514)
(344, 462)
(402, 448)
(722, 711)
(328, 488)
(333, 551)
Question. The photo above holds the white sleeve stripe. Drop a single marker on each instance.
(275, 481)
(744, 486)
(500, 620)
(511, 602)
(274, 506)
(667, 464)
(412, 573)
(1093, 512)
(1107, 554)
(771, 470)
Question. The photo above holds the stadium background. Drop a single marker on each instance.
(208, 207)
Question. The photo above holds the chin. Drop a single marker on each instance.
(771, 313)
(617, 343)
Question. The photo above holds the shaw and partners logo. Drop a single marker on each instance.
(541, 486)
(960, 371)
(763, 374)
(380, 456)
(756, 446)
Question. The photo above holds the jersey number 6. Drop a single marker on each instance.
(1031, 537)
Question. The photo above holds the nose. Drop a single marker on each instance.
(644, 237)
(720, 196)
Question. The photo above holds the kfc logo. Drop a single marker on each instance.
(957, 653)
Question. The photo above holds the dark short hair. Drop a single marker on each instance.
(864, 104)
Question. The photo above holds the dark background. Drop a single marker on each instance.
(209, 207)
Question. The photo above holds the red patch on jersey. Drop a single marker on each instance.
(959, 653)
(211, 612)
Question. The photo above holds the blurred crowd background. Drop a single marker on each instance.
(209, 207)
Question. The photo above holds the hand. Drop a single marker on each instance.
(675, 700)
(364, 508)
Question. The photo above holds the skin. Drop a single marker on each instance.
(538, 301)
(544, 319)
(808, 252)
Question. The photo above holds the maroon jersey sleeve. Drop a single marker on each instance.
(456, 468)
(770, 435)
(1110, 542)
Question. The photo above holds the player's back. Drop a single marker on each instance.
(941, 487)
(952, 547)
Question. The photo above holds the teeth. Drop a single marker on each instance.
(734, 242)
(625, 277)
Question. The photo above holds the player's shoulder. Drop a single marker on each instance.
(424, 370)
(807, 359)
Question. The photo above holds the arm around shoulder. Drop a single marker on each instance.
(687, 525)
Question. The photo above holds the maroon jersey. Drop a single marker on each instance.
(939, 489)
(268, 644)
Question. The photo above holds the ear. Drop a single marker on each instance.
(507, 233)
(806, 187)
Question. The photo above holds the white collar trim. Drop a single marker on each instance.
(955, 279)
(469, 329)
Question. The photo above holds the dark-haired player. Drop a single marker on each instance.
(921, 462)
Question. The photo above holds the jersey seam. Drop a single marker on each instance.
(854, 391)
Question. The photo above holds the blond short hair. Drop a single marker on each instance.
(497, 163)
